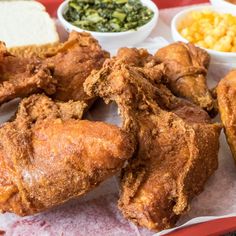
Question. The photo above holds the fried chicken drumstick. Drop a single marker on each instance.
(20, 77)
(226, 94)
(177, 144)
(48, 156)
(185, 68)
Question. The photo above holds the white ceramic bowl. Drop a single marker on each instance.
(227, 6)
(216, 56)
(113, 39)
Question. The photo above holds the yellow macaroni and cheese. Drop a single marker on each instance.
(209, 29)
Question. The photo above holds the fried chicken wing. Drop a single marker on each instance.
(226, 94)
(172, 135)
(48, 156)
(20, 77)
(74, 60)
(185, 67)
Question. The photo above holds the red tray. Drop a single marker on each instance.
(218, 227)
(210, 228)
(52, 5)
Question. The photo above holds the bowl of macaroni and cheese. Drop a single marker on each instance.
(210, 28)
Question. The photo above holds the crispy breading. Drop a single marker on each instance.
(39, 107)
(20, 77)
(185, 67)
(48, 157)
(177, 144)
(226, 94)
(74, 60)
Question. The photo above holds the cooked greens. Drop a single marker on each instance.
(108, 15)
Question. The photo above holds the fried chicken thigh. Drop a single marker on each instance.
(20, 77)
(185, 67)
(177, 145)
(226, 94)
(48, 156)
(74, 60)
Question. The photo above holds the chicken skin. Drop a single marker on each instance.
(74, 60)
(226, 94)
(136, 57)
(185, 68)
(20, 77)
(48, 155)
(71, 62)
(172, 135)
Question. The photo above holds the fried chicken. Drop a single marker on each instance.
(74, 60)
(48, 156)
(177, 144)
(71, 62)
(141, 58)
(226, 94)
(185, 67)
(136, 57)
(20, 77)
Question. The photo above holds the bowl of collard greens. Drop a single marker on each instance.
(115, 23)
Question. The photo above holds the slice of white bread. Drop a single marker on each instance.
(26, 24)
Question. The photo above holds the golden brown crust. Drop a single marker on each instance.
(54, 161)
(40, 107)
(20, 77)
(177, 145)
(48, 157)
(226, 94)
(185, 67)
(136, 57)
(74, 60)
